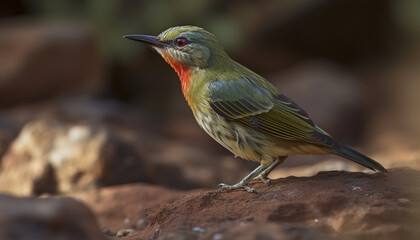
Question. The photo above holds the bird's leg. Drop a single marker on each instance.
(263, 176)
(244, 182)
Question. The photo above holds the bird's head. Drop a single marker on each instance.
(190, 46)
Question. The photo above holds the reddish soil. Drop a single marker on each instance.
(122, 206)
(330, 205)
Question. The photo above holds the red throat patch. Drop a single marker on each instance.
(183, 72)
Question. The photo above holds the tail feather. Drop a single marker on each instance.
(357, 157)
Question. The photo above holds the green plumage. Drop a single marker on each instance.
(265, 110)
(240, 109)
(269, 112)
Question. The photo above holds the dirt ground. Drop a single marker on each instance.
(330, 205)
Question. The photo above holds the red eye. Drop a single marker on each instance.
(181, 41)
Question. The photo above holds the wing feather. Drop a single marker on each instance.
(263, 108)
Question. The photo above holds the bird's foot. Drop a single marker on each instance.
(263, 178)
(239, 185)
(244, 182)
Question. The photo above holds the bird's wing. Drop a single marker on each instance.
(236, 99)
(261, 107)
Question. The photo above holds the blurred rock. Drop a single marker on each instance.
(399, 155)
(108, 112)
(333, 97)
(125, 232)
(395, 111)
(8, 131)
(43, 60)
(50, 156)
(46, 219)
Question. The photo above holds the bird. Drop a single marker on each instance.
(240, 109)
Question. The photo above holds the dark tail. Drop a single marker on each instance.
(357, 157)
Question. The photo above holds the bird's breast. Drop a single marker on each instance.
(240, 140)
(216, 126)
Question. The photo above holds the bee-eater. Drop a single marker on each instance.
(240, 109)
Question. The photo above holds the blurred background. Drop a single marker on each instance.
(81, 107)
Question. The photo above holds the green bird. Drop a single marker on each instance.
(240, 109)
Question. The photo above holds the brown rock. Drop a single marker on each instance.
(8, 131)
(330, 205)
(124, 232)
(43, 60)
(395, 113)
(49, 156)
(128, 122)
(398, 154)
(45, 219)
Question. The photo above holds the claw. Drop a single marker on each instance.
(263, 176)
(239, 185)
(244, 182)
(263, 179)
(260, 173)
(250, 189)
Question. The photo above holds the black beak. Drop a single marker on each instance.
(150, 40)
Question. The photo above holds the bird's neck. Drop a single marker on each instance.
(184, 74)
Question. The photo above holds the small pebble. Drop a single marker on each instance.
(217, 236)
(199, 229)
(124, 232)
(403, 201)
(142, 223)
(127, 221)
(108, 232)
(355, 188)
(316, 220)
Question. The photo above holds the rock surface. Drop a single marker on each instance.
(123, 206)
(46, 219)
(54, 157)
(8, 131)
(330, 205)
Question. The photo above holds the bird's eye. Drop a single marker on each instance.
(180, 42)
